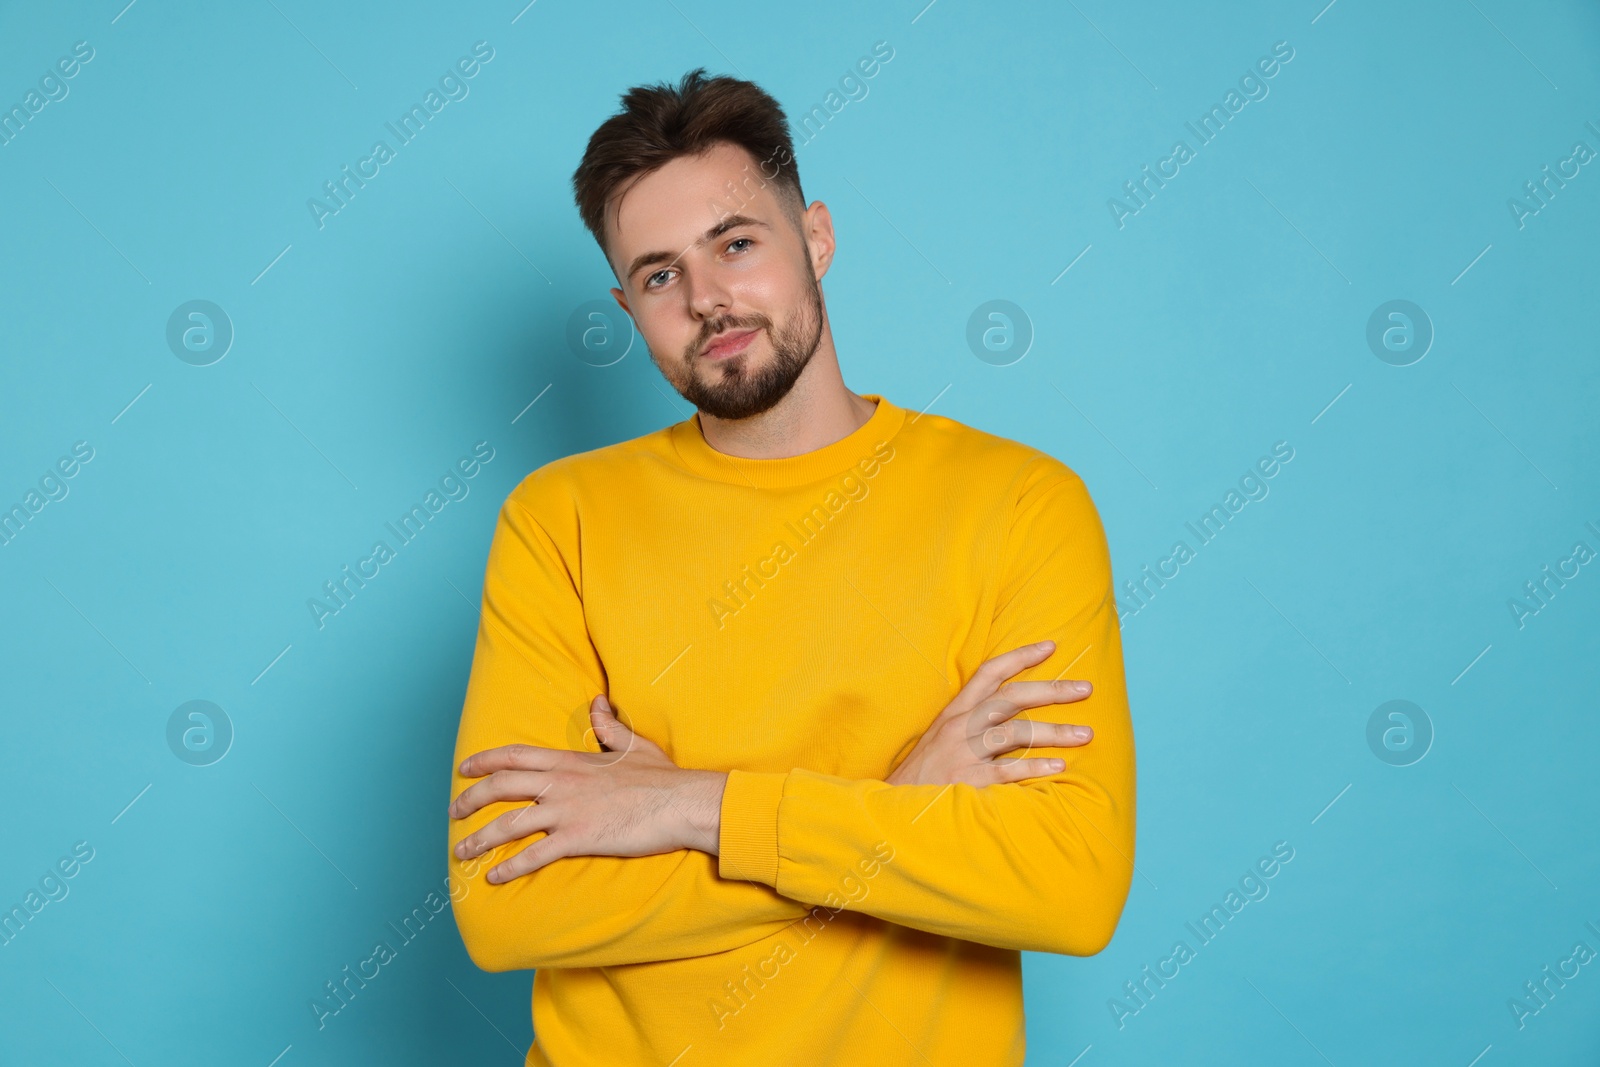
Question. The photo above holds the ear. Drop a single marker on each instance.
(817, 228)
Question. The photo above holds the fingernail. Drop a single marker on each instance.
(1082, 687)
(1056, 765)
(1081, 733)
(1045, 646)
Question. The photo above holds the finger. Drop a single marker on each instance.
(1015, 770)
(992, 672)
(1037, 693)
(609, 730)
(512, 826)
(544, 851)
(1015, 696)
(1030, 733)
(510, 757)
(617, 739)
(501, 785)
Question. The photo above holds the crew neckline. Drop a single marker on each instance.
(696, 452)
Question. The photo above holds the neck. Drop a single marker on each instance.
(818, 411)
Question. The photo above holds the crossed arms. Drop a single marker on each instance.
(633, 859)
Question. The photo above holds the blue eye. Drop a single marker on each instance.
(650, 280)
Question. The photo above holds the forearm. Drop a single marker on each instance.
(1042, 866)
(589, 911)
(697, 801)
(600, 911)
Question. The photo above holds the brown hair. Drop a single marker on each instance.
(659, 123)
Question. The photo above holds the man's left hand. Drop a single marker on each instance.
(630, 800)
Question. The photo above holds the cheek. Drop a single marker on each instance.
(755, 293)
(770, 282)
(665, 329)
(780, 297)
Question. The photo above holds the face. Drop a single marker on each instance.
(719, 280)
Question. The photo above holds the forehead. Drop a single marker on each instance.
(676, 203)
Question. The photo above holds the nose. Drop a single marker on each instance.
(708, 297)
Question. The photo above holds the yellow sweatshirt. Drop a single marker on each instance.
(799, 623)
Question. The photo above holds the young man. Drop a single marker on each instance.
(704, 784)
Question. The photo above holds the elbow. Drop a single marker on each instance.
(1090, 938)
(485, 945)
(1086, 934)
(1085, 927)
(1097, 873)
(484, 917)
(487, 960)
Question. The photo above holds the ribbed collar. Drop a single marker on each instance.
(697, 454)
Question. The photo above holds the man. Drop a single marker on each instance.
(738, 773)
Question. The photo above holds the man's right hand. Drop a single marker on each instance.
(979, 725)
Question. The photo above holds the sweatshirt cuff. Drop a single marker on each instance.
(747, 846)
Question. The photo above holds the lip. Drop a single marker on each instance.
(728, 344)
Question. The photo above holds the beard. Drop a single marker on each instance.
(735, 390)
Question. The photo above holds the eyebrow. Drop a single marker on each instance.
(732, 222)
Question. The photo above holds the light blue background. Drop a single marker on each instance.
(1223, 317)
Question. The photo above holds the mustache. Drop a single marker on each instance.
(712, 329)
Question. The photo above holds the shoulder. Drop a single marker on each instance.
(557, 489)
(1037, 499)
(966, 452)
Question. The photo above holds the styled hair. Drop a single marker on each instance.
(662, 122)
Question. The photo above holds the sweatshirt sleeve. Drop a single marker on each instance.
(534, 672)
(1043, 864)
